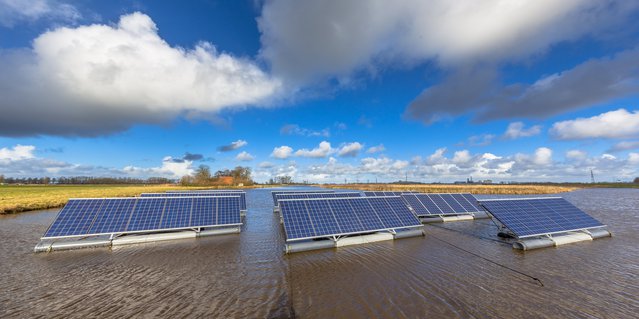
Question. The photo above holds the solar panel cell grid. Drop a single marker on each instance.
(113, 216)
(533, 217)
(177, 213)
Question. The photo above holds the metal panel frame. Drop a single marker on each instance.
(390, 229)
(539, 234)
(136, 231)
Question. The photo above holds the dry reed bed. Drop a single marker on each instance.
(14, 199)
(473, 189)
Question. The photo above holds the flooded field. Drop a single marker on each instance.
(458, 270)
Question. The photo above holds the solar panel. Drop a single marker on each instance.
(529, 217)
(322, 217)
(385, 193)
(316, 195)
(441, 204)
(113, 216)
(275, 193)
(242, 195)
(207, 190)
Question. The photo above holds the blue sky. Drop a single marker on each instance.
(323, 91)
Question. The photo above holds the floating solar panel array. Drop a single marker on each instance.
(317, 195)
(327, 217)
(242, 195)
(113, 216)
(442, 204)
(275, 193)
(385, 193)
(207, 191)
(529, 217)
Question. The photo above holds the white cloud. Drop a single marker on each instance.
(350, 149)
(481, 140)
(323, 150)
(14, 11)
(543, 156)
(437, 156)
(16, 153)
(461, 157)
(624, 146)
(98, 79)
(576, 155)
(294, 129)
(376, 149)
(21, 161)
(613, 124)
(517, 130)
(244, 156)
(282, 152)
(633, 158)
(233, 146)
(266, 165)
(309, 40)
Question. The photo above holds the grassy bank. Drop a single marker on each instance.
(462, 188)
(20, 198)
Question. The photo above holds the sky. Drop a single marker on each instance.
(322, 91)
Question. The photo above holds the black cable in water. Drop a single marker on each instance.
(491, 261)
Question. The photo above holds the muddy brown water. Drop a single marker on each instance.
(458, 270)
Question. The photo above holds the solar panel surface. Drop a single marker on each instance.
(441, 204)
(242, 195)
(275, 193)
(385, 193)
(317, 195)
(103, 216)
(322, 217)
(529, 217)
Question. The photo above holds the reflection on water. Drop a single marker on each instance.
(457, 270)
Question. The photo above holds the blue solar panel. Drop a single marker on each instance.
(316, 195)
(75, 218)
(227, 208)
(91, 217)
(275, 193)
(441, 204)
(242, 195)
(315, 218)
(385, 193)
(113, 216)
(539, 216)
(177, 213)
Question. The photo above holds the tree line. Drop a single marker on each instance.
(204, 177)
(84, 180)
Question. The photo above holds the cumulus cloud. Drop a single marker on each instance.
(323, 150)
(477, 91)
(576, 155)
(481, 140)
(613, 124)
(282, 152)
(233, 146)
(517, 130)
(21, 161)
(244, 156)
(99, 79)
(376, 149)
(624, 146)
(294, 129)
(15, 11)
(308, 40)
(350, 149)
(18, 152)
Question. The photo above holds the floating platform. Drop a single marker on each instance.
(295, 247)
(452, 218)
(561, 239)
(55, 245)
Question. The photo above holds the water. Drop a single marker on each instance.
(458, 270)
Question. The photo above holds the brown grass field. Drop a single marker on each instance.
(463, 188)
(20, 198)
